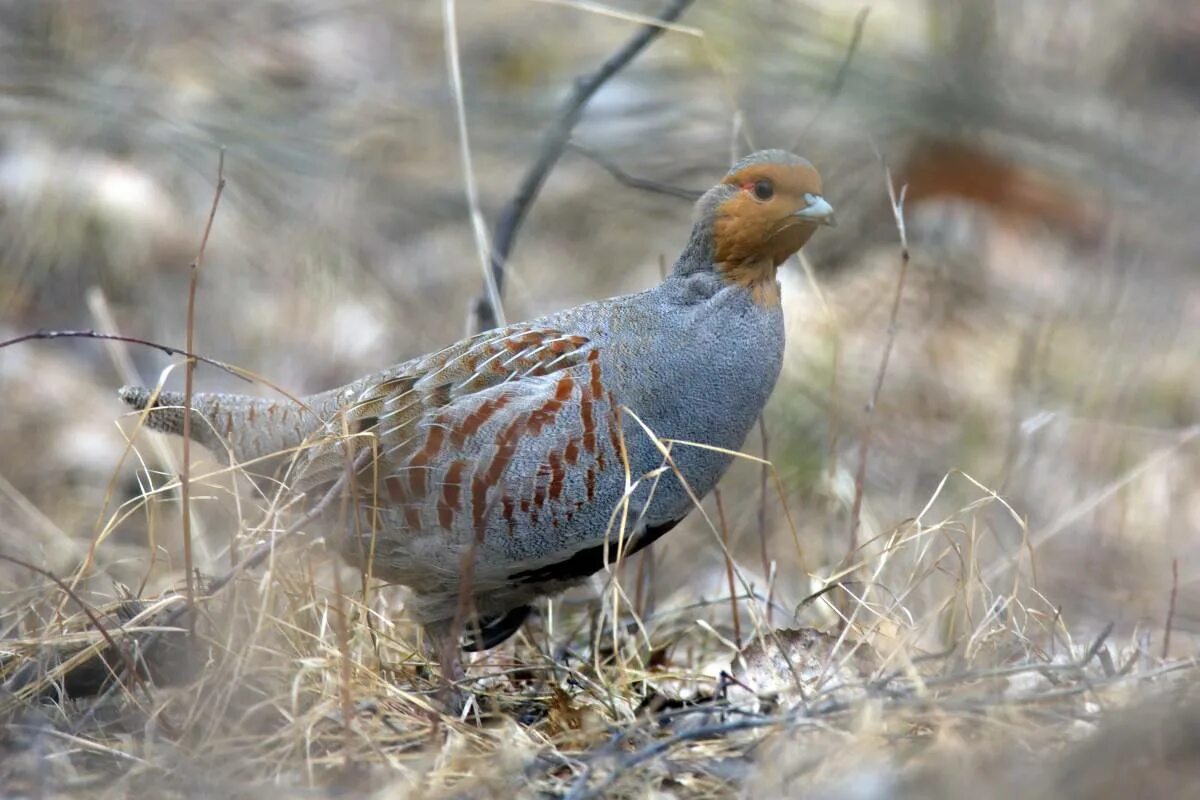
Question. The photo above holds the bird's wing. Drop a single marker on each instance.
(506, 421)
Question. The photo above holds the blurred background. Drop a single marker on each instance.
(1048, 338)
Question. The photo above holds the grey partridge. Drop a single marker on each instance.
(514, 446)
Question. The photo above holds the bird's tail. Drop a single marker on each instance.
(248, 427)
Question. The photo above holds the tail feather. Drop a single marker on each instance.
(249, 427)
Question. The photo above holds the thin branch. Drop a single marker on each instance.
(581, 791)
(478, 228)
(255, 559)
(865, 443)
(839, 80)
(632, 181)
(733, 599)
(260, 553)
(342, 623)
(189, 376)
(764, 474)
(87, 610)
(554, 142)
(112, 337)
(1099, 641)
(1166, 648)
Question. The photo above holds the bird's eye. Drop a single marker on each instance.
(763, 190)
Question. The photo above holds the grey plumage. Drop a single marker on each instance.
(519, 442)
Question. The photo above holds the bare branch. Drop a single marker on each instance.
(112, 337)
(764, 474)
(1166, 648)
(733, 598)
(865, 442)
(554, 142)
(632, 181)
(255, 559)
(478, 227)
(96, 623)
(839, 80)
(189, 376)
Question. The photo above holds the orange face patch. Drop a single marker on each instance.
(755, 231)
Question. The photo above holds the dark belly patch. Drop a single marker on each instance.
(590, 560)
(491, 631)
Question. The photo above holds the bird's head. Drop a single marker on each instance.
(762, 212)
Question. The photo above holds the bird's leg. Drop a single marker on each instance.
(444, 647)
(450, 656)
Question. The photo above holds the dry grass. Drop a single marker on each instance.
(1017, 617)
(942, 650)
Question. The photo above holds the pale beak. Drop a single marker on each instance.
(817, 211)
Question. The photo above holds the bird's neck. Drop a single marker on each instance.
(699, 253)
(755, 275)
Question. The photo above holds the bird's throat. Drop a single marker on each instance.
(759, 277)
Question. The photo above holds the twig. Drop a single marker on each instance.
(554, 142)
(839, 80)
(819, 593)
(342, 626)
(825, 706)
(256, 558)
(87, 610)
(1096, 645)
(733, 598)
(632, 181)
(580, 790)
(189, 375)
(764, 473)
(864, 444)
(112, 337)
(1171, 608)
(643, 581)
(260, 553)
(478, 228)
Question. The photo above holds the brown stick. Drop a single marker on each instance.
(189, 374)
(639, 584)
(733, 596)
(256, 558)
(865, 443)
(259, 554)
(632, 181)
(839, 80)
(554, 142)
(342, 631)
(1171, 608)
(764, 474)
(69, 592)
(91, 334)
